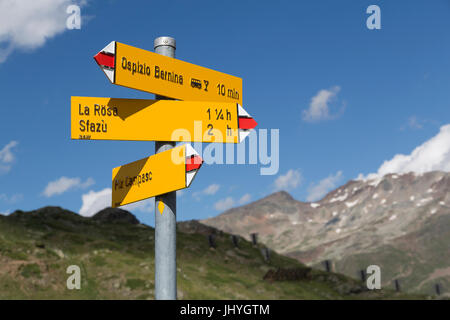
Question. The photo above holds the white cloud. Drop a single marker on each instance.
(319, 106)
(228, 202)
(245, 198)
(64, 184)
(7, 157)
(414, 123)
(209, 191)
(317, 191)
(146, 206)
(5, 213)
(417, 123)
(93, 202)
(11, 199)
(433, 154)
(288, 181)
(224, 204)
(28, 24)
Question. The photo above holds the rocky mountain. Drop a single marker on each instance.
(398, 222)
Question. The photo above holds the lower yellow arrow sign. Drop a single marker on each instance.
(163, 172)
(158, 120)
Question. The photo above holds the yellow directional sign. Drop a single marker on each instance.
(144, 70)
(163, 172)
(158, 120)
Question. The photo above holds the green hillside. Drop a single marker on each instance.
(116, 257)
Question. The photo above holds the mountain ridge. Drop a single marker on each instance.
(359, 219)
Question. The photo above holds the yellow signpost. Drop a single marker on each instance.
(211, 111)
(144, 70)
(163, 172)
(158, 120)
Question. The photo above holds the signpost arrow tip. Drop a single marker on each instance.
(193, 163)
(246, 123)
(106, 60)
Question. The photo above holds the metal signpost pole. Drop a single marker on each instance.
(165, 212)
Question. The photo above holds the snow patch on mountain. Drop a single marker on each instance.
(351, 204)
(340, 198)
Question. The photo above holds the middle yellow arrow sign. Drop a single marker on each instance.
(159, 120)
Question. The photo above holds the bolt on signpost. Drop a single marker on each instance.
(211, 112)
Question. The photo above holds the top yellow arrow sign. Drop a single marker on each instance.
(144, 70)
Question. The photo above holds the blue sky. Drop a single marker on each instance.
(370, 94)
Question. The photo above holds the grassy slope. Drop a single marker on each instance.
(117, 262)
